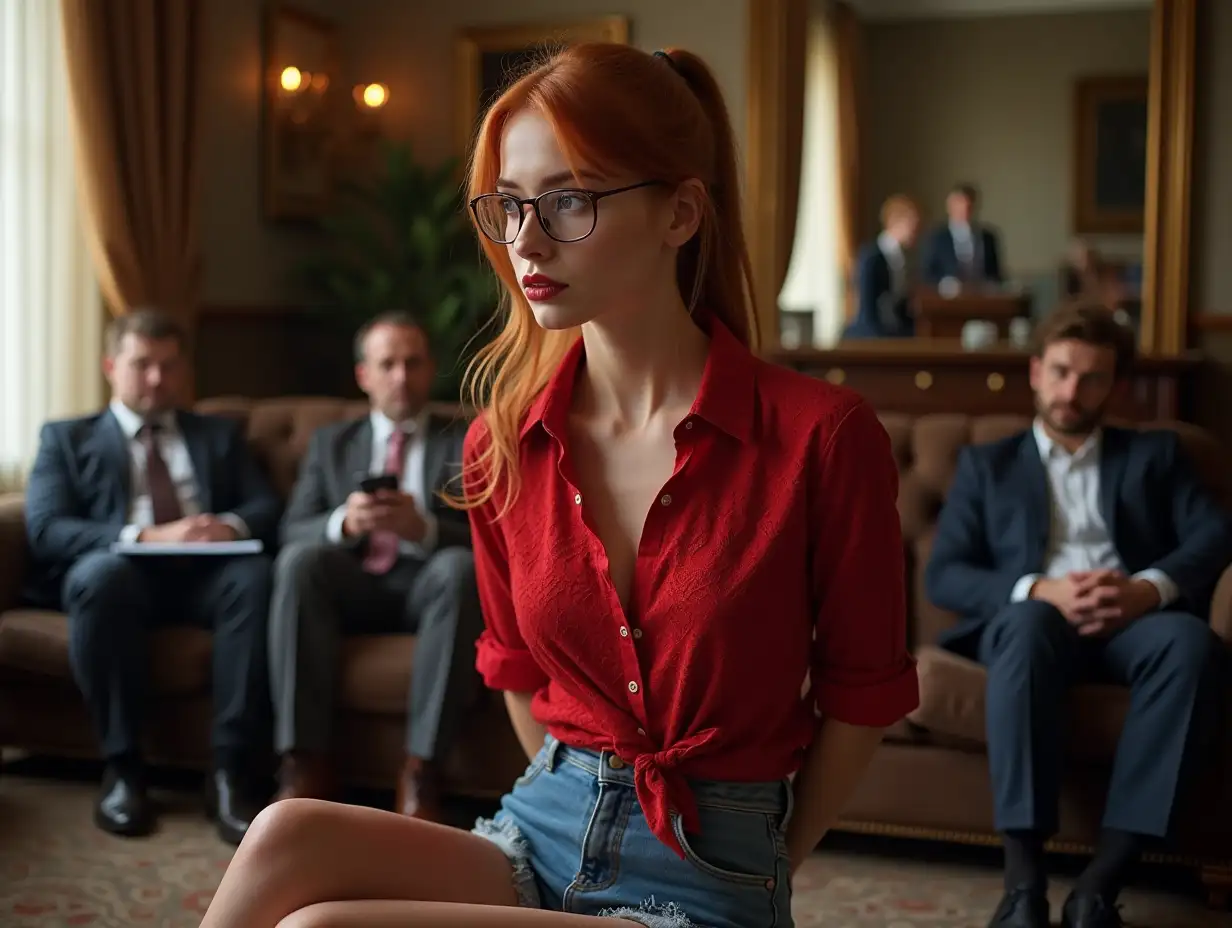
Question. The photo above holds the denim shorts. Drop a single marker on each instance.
(578, 841)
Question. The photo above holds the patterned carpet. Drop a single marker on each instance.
(58, 871)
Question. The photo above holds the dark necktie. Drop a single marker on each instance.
(163, 499)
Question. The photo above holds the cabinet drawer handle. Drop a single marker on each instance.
(836, 375)
(923, 380)
(996, 383)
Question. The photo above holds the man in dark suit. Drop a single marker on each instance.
(144, 472)
(882, 279)
(393, 560)
(1076, 552)
(962, 249)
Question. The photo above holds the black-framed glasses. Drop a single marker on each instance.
(567, 215)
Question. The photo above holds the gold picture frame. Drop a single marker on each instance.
(487, 54)
(1110, 154)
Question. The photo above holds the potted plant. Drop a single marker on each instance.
(401, 240)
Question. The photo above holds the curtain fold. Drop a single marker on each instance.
(827, 208)
(51, 315)
(133, 73)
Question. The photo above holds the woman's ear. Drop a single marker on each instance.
(687, 205)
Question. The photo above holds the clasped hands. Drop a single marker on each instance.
(1098, 602)
(199, 528)
(384, 511)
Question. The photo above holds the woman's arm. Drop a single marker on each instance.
(530, 733)
(834, 764)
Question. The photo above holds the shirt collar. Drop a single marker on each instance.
(1048, 447)
(962, 229)
(889, 245)
(383, 426)
(725, 399)
(131, 422)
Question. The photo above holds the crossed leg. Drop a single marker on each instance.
(311, 864)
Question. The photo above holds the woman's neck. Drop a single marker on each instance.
(642, 363)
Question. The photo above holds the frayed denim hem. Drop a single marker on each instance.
(509, 838)
(651, 915)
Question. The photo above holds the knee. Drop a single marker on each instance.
(1033, 628)
(452, 571)
(99, 578)
(300, 560)
(1190, 647)
(281, 830)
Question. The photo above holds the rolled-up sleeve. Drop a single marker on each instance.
(862, 671)
(502, 658)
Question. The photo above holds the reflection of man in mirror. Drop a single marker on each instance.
(882, 282)
(962, 249)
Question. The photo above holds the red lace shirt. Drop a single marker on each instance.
(773, 552)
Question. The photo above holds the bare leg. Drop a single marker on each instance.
(299, 852)
(371, 914)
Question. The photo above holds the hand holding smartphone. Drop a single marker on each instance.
(372, 485)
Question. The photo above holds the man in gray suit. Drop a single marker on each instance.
(376, 561)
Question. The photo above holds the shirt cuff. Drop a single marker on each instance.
(873, 703)
(507, 669)
(1022, 589)
(128, 534)
(238, 524)
(333, 526)
(1168, 591)
(425, 545)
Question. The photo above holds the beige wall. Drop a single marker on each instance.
(410, 47)
(990, 100)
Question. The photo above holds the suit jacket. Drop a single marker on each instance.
(879, 313)
(79, 493)
(994, 527)
(340, 455)
(941, 258)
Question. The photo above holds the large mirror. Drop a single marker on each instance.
(968, 165)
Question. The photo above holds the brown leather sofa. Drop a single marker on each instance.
(929, 780)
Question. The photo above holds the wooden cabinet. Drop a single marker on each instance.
(938, 316)
(919, 376)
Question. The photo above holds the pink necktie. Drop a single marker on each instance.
(383, 546)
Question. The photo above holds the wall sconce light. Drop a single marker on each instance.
(293, 81)
(369, 97)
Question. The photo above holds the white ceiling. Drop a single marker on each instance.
(937, 9)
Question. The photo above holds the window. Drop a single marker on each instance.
(51, 315)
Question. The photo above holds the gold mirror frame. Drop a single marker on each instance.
(1165, 286)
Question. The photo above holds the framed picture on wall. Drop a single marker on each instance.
(1110, 154)
(489, 57)
(300, 59)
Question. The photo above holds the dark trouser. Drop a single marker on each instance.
(1033, 655)
(321, 592)
(114, 602)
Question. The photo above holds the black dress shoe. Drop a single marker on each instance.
(1022, 907)
(227, 803)
(123, 807)
(1089, 910)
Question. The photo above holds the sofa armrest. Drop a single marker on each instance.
(1221, 607)
(13, 550)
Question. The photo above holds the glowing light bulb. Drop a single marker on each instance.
(291, 79)
(373, 96)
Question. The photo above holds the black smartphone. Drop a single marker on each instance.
(371, 485)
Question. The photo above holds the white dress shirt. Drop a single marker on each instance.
(174, 450)
(893, 251)
(414, 479)
(1078, 538)
(964, 242)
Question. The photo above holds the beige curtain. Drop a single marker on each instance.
(133, 78)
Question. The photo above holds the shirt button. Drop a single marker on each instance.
(577, 498)
(632, 686)
(688, 425)
(637, 633)
(666, 499)
(624, 632)
(642, 732)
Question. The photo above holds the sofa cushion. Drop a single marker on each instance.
(376, 673)
(34, 641)
(952, 704)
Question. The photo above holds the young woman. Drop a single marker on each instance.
(689, 560)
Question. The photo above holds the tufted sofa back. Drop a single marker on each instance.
(926, 448)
